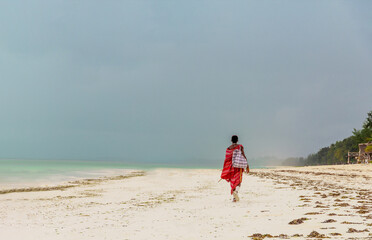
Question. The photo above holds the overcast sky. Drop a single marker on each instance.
(171, 81)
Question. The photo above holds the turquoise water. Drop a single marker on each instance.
(17, 170)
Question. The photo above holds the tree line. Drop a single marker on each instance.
(337, 152)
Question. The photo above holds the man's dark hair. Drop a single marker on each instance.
(234, 139)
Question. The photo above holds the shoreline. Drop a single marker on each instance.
(70, 184)
(56, 179)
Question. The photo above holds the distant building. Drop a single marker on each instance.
(362, 156)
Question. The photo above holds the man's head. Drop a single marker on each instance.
(234, 139)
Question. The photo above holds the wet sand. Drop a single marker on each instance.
(293, 203)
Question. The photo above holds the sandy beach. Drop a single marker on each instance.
(294, 203)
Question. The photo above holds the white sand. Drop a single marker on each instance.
(190, 204)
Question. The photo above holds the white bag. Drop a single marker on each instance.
(238, 160)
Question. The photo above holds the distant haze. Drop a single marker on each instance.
(171, 81)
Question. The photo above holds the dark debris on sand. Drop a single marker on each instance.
(335, 234)
(259, 236)
(313, 213)
(315, 234)
(346, 222)
(329, 221)
(327, 196)
(353, 230)
(297, 221)
(83, 182)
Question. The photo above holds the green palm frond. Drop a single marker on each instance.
(369, 149)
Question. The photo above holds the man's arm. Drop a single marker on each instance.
(247, 170)
(243, 152)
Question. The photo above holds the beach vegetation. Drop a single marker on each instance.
(337, 152)
(369, 149)
(368, 122)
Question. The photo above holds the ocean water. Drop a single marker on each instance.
(21, 171)
(17, 170)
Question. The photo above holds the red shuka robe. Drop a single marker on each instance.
(229, 173)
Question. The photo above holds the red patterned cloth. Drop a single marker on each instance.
(229, 173)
